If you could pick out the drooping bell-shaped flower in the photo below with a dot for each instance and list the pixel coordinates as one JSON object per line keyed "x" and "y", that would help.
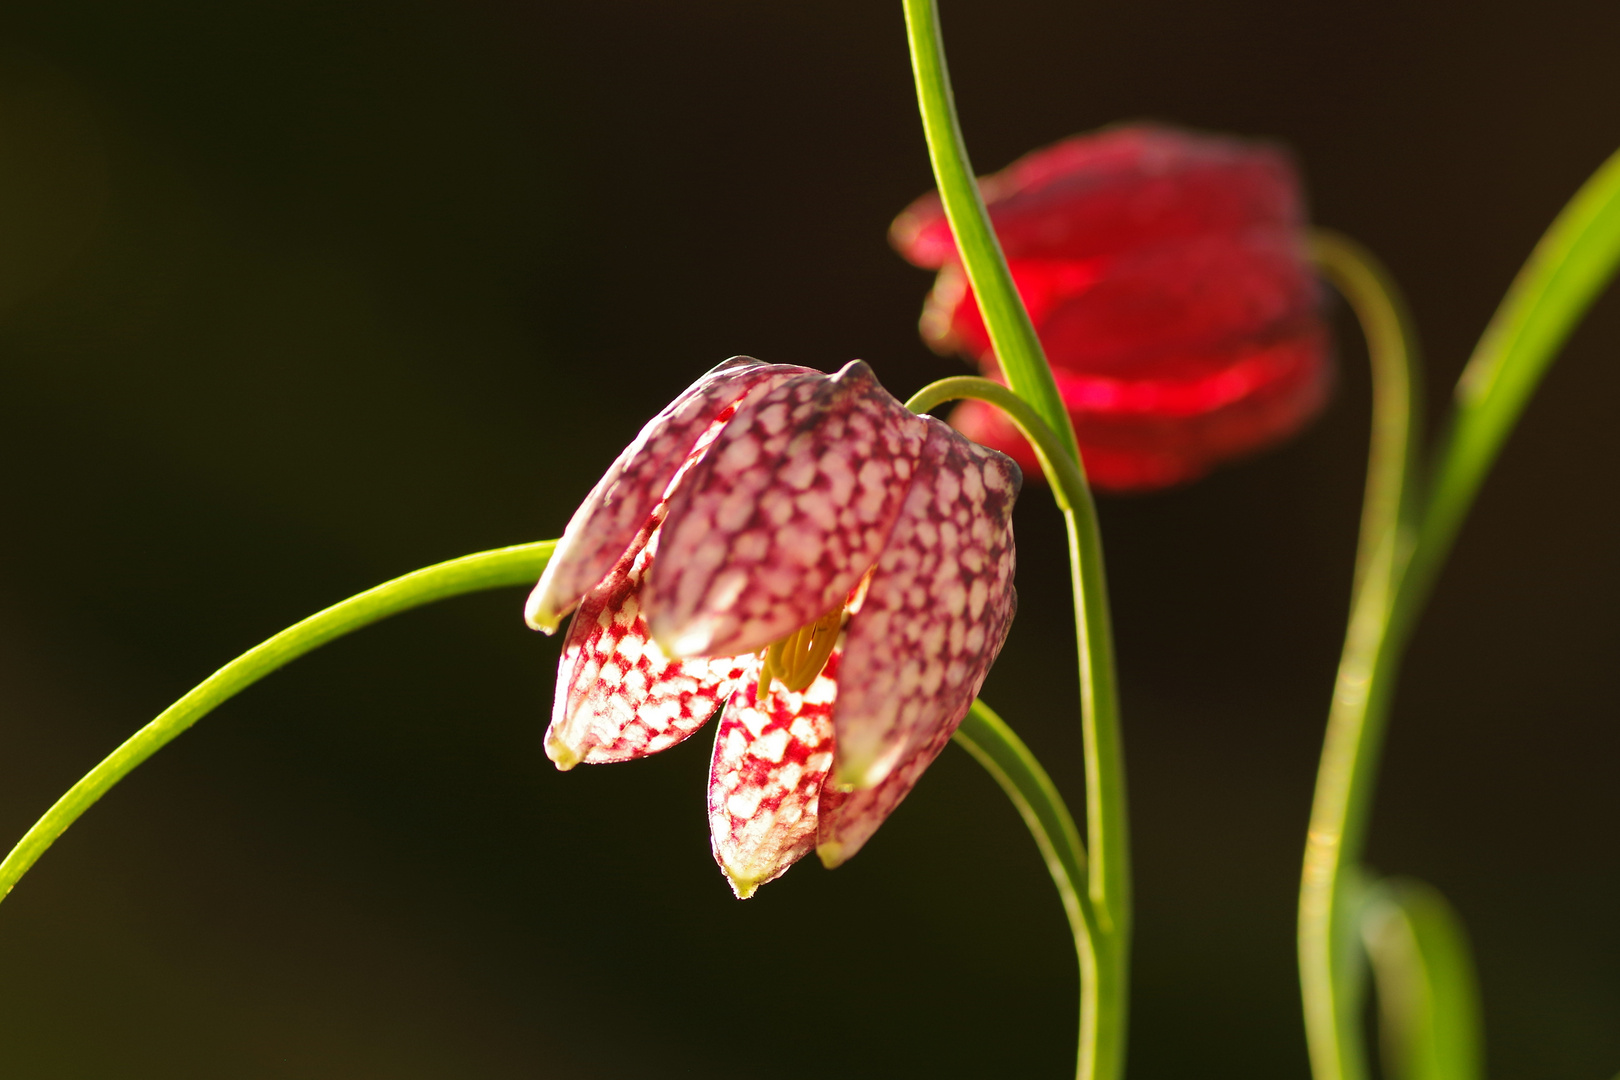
{"x": 1167, "y": 276}
{"x": 801, "y": 550}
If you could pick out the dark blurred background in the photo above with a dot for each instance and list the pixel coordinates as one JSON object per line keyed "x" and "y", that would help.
{"x": 296, "y": 296}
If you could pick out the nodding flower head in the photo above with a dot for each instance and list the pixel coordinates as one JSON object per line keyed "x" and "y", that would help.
{"x": 801, "y": 551}
{"x": 1167, "y": 276}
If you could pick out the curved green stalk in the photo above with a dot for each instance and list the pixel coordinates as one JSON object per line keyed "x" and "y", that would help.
{"x": 470, "y": 573}
{"x": 1062, "y": 471}
{"x": 1004, "y": 756}
{"x": 1571, "y": 264}
{"x": 1391, "y": 497}
{"x": 1104, "y": 965}
{"x": 1328, "y": 961}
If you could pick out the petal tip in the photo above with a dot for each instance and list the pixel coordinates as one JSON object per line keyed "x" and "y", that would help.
{"x": 539, "y": 612}
{"x": 831, "y": 854}
{"x": 742, "y": 885}
{"x": 562, "y": 755}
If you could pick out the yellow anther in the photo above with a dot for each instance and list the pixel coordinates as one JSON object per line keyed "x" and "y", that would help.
{"x": 796, "y": 660}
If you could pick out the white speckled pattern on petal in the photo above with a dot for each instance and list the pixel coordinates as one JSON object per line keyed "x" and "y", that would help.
{"x": 766, "y": 778}
{"x": 618, "y": 696}
{"x": 764, "y": 498}
{"x": 609, "y": 518}
{"x": 936, "y": 612}
{"x": 788, "y": 509}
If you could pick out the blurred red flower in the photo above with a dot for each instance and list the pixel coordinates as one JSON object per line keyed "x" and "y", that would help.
{"x": 1167, "y": 277}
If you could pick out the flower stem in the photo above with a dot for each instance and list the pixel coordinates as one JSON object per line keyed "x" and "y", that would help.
{"x": 1391, "y": 497}
{"x": 1328, "y": 960}
{"x": 1105, "y": 965}
{"x": 1011, "y": 333}
{"x": 1062, "y": 471}
{"x": 1573, "y": 262}
{"x": 1005, "y": 757}
{"x": 471, "y": 573}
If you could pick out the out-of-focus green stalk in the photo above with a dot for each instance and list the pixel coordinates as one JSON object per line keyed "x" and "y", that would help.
{"x": 1392, "y": 348}
{"x": 1328, "y": 958}
{"x": 1396, "y": 568}
{"x": 470, "y": 573}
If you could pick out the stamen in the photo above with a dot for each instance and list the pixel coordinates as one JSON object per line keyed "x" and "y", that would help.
{"x": 796, "y": 660}
{"x": 764, "y": 686}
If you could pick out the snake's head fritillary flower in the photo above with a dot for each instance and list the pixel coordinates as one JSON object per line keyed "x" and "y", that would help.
{"x": 1167, "y": 276}
{"x": 802, "y": 552}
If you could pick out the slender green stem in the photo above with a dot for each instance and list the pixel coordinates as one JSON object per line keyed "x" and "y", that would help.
{"x": 1011, "y": 333}
{"x": 1570, "y": 266}
{"x": 1392, "y": 493}
{"x": 1062, "y": 471}
{"x": 1105, "y": 967}
{"x": 1329, "y": 976}
{"x": 1328, "y": 972}
{"x": 1106, "y": 823}
{"x": 1004, "y": 756}
{"x": 470, "y": 573}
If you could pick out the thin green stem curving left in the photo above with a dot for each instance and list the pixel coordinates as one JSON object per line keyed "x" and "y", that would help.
{"x": 1009, "y": 762}
{"x": 1571, "y": 265}
{"x": 1104, "y": 964}
{"x": 1329, "y": 963}
{"x": 1062, "y": 471}
{"x": 983, "y": 734}
{"x": 470, "y": 573}
{"x": 1024, "y": 363}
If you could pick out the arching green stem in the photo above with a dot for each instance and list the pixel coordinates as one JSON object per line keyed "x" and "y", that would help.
{"x": 1329, "y": 963}
{"x": 1400, "y": 558}
{"x": 1392, "y": 493}
{"x": 983, "y": 734}
{"x": 1004, "y": 756}
{"x": 1105, "y": 965}
{"x": 1063, "y": 472}
{"x": 470, "y": 573}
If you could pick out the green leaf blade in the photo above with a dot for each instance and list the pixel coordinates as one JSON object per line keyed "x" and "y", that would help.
{"x": 1428, "y": 996}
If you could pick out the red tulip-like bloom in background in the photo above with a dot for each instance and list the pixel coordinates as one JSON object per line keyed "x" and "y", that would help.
{"x": 801, "y": 548}
{"x": 1167, "y": 277}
